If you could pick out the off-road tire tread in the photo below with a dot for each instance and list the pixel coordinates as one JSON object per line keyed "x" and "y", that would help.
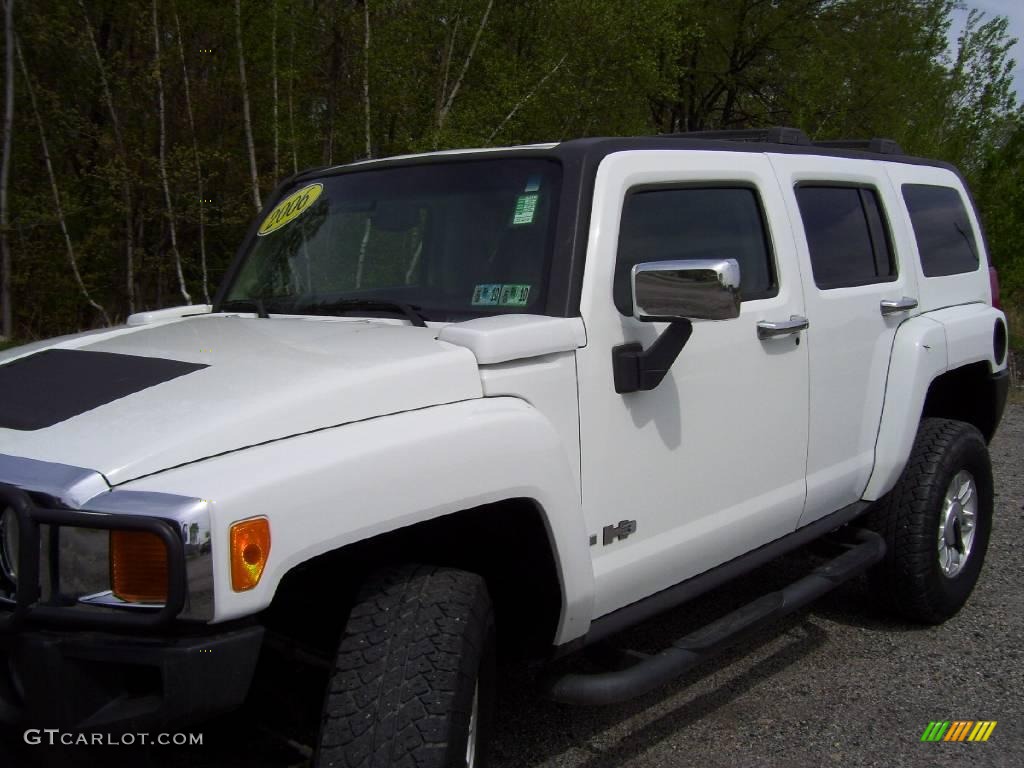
{"x": 905, "y": 580}
{"x": 389, "y": 702}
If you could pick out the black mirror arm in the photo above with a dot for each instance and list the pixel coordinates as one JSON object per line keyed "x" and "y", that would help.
{"x": 638, "y": 370}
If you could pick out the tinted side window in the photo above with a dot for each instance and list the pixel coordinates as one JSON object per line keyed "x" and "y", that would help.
{"x": 847, "y": 236}
{"x": 944, "y": 236}
{"x": 694, "y": 223}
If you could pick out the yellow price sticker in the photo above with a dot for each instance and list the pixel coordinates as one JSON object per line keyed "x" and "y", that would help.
{"x": 290, "y": 208}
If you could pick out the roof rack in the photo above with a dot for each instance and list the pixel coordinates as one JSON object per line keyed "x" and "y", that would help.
{"x": 878, "y": 146}
{"x": 777, "y": 135}
{"x": 792, "y": 137}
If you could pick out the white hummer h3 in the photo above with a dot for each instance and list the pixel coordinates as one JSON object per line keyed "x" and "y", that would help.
{"x": 520, "y": 399}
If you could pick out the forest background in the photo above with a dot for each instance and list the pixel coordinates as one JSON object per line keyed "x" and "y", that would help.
{"x": 140, "y": 137}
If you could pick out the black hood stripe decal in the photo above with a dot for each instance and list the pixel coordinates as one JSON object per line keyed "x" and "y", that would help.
{"x": 48, "y": 387}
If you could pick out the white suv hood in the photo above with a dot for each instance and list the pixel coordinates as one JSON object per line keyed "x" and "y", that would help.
{"x": 264, "y": 379}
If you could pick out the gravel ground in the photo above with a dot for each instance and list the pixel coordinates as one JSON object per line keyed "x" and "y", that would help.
{"x": 838, "y": 684}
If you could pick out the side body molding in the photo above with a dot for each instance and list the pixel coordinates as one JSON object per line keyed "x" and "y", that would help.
{"x": 326, "y": 489}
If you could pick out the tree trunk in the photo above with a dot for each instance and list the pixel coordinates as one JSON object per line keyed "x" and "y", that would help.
{"x": 246, "y": 116}
{"x": 291, "y": 94}
{"x": 526, "y": 98}
{"x": 163, "y": 157}
{"x": 7, "y": 321}
{"x": 442, "y": 115}
{"x": 333, "y": 76}
{"x": 366, "y": 75}
{"x": 273, "y": 78}
{"x": 195, "y": 156}
{"x": 122, "y": 155}
{"x": 446, "y": 67}
{"x": 53, "y": 188}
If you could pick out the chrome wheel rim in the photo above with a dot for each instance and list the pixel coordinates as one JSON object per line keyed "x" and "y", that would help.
{"x": 472, "y": 737}
{"x": 958, "y": 523}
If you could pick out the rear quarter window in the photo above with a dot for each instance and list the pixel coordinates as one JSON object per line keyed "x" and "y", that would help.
{"x": 945, "y": 239}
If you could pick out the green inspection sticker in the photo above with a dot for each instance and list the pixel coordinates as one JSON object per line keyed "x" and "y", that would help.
{"x": 514, "y": 295}
{"x": 526, "y": 208}
{"x": 487, "y": 295}
{"x": 499, "y": 294}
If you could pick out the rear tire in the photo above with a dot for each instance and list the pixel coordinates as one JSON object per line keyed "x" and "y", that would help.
{"x": 413, "y": 684}
{"x": 936, "y": 523}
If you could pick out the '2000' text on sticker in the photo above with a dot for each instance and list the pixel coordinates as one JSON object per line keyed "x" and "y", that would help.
{"x": 290, "y": 208}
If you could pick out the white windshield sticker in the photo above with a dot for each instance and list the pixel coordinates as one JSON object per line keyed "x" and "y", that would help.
{"x": 526, "y": 208}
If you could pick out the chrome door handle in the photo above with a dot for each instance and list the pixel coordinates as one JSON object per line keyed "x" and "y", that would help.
{"x": 892, "y": 306}
{"x": 769, "y": 330}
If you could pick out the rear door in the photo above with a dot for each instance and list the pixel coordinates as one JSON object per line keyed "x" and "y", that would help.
{"x": 856, "y": 294}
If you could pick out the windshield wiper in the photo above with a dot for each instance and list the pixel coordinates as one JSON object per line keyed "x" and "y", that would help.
{"x": 245, "y": 305}
{"x": 411, "y": 312}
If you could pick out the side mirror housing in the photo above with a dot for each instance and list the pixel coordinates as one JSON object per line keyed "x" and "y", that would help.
{"x": 707, "y": 289}
{"x": 675, "y": 292}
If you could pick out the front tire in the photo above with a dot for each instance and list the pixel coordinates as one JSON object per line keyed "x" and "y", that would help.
{"x": 936, "y": 523}
{"x": 413, "y": 684}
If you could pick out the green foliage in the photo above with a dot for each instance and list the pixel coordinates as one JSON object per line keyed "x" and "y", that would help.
{"x": 537, "y": 70}
{"x": 981, "y": 93}
{"x": 1001, "y": 198}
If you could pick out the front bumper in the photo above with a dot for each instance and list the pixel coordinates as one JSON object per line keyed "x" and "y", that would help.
{"x": 89, "y": 680}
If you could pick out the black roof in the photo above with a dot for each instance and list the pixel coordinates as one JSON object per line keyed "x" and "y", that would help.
{"x": 588, "y": 152}
{"x": 885, "y": 150}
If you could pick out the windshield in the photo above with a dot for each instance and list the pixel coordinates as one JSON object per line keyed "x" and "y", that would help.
{"x": 452, "y": 240}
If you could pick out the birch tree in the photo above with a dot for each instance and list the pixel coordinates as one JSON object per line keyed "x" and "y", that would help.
{"x": 448, "y": 97}
{"x": 7, "y": 321}
{"x": 522, "y": 102}
{"x": 162, "y": 115}
{"x": 58, "y": 206}
{"x": 273, "y": 78}
{"x": 122, "y": 156}
{"x": 246, "y": 115}
{"x": 366, "y": 77}
{"x": 195, "y": 157}
{"x": 291, "y": 94}
{"x": 333, "y": 77}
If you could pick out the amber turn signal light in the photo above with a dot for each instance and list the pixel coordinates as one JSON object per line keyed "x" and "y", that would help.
{"x": 138, "y": 567}
{"x": 250, "y": 548}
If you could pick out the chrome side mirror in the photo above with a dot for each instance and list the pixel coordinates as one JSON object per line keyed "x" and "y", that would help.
{"x": 706, "y": 289}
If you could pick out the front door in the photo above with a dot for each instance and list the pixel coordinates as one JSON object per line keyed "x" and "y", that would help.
{"x": 711, "y": 463}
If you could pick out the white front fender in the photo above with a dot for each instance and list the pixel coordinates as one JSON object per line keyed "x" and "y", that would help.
{"x": 326, "y": 489}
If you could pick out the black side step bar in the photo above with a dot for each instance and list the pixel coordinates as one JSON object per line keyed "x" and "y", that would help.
{"x": 656, "y": 670}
